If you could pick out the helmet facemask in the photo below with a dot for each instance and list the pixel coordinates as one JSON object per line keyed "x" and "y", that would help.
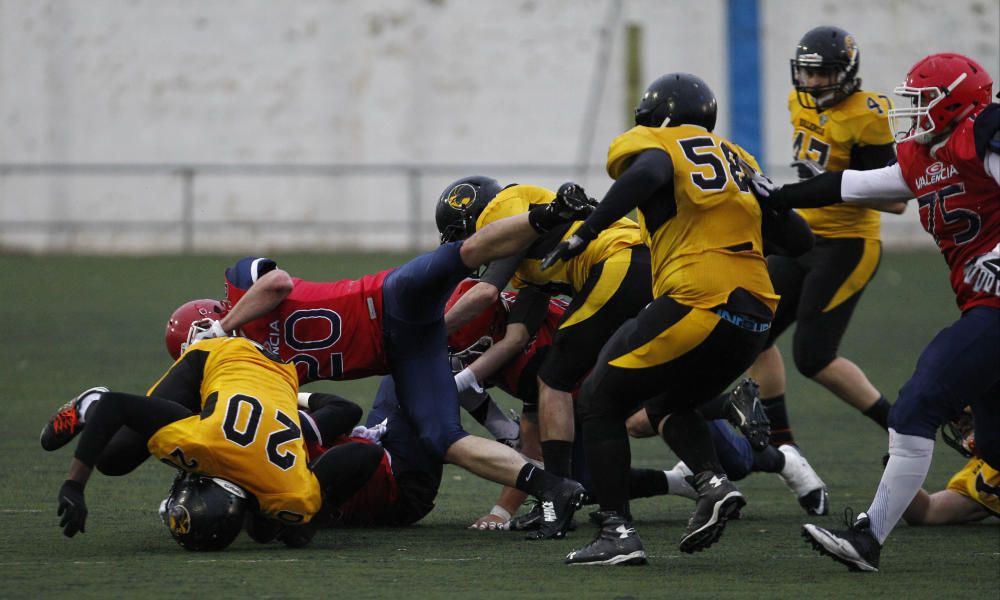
{"x": 821, "y": 97}
{"x": 917, "y": 122}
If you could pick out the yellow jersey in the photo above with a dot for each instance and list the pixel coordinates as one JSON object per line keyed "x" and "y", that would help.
{"x": 980, "y": 482}
{"x": 567, "y": 276}
{"x": 248, "y": 431}
{"x": 827, "y": 138}
{"x": 709, "y": 241}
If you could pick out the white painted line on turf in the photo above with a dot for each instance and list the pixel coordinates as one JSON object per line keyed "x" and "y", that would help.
{"x": 20, "y": 510}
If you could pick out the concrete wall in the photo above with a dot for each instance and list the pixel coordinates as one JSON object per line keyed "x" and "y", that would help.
{"x": 462, "y": 84}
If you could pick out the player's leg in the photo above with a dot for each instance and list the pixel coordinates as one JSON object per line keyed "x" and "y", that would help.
{"x": 839, "y": 271}
{"x": 958, "y": 364}
{"x": 615, "y": 290}
{"x": 768, "y": 369}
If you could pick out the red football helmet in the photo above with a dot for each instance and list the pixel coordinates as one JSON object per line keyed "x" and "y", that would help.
{"x": 943, "y": 89}
{"x": 179, "y": 325}
{"x": 492, "y": 322}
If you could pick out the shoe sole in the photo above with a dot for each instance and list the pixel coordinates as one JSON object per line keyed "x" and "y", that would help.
{"x": 710, "y": 532}
{"x": 816, "y": 536}
{"x": 631, "y": 559}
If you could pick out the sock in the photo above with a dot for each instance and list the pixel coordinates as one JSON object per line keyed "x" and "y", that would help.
{"x": 86, "y": 403}
{"x": 781, "y": 431}
{"x": 675, "y": 480}
{"x": 909, "y": 460}
{"x": 768, "y": 460}
{"x": 499, "y": 425}
{"x": 535, "y": 481}
{"x": 643, "y": 483}
{"x": 879, "y": 412}
{"x": 558, "y": 457}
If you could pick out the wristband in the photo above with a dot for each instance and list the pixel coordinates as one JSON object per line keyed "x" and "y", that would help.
{"x": 499, "y": 511}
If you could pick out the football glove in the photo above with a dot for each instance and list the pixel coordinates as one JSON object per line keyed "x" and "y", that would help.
{"x": 570, "y": 247}
{"x": 570, "y": 204}
{"x": 983, "y": 272}
{"x": 373, "y": 433}
{"x": 765, "y": 190}
{"x": 807, "y": 168}
{"x": 72, "y": 508}
{"x": 205, "y": 329}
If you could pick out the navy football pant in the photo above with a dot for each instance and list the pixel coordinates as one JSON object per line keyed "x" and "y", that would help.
{"x": 413, "y": 299}
{"x": 961, "y": 366}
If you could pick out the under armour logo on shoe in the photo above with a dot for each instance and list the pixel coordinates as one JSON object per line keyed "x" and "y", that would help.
{"x": 716, "y": 481}
{"x": 548, "y": 511}
{"x": 624, "y": 532}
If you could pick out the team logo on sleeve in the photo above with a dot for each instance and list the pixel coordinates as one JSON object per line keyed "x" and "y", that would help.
{"x": 461, "y": 196}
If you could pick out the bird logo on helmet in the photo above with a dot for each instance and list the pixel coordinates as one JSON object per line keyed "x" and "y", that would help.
{"x": 461, "y": 204}
{"x": 829, "y": 51}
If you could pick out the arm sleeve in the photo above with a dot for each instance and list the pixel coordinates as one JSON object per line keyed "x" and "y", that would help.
{"x": 886, "y": 184}
{"x": 499, "y": 272}
{"x": 986, "y": 131}
{"x": 650, "y": 170}
{"x": 992, "y": 166}
{"x": 786, "y": 233}
{"x": 530, "y": 309}
{"x": 182, "y": 383}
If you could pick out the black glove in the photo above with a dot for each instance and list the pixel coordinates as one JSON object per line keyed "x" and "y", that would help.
{"x": 72, "y": 508}
{"x": 570, "y": 247}
{"x": 570, "y": 204}
{"x": 807, "y": 168}
{"x": 767, "y": 192}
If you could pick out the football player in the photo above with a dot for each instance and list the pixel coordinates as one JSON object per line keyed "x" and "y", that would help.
{"x": 835, "y": 126}
{"x": 712, "y": 309}
{"x": 519, "y": 342}
{"x": 972, "y": 494}
{"x": 947, "y": 149}
{"x": 392, "y": 322}
{"x": 608, "y": 283}
{"x": 226, "y": 414}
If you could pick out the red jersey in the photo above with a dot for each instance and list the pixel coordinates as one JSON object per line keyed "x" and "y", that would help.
{"x": 959, "y": 205}
{"x": 518, "y": 376}
{"x": 329, "y": 330}
{"x": 374, "y": 504}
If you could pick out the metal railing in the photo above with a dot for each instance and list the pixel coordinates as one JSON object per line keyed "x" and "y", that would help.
{"x": 415, "y": 222}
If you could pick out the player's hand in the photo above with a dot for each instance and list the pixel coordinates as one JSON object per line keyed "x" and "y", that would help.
{"x": 72, "y": 508}
{"x": 983, "y": 272}
{"x": 570, "y": 204}
{"x": 807, "y": 168}
{"x": 206, "y": 329}
{"x": 491, "y": 522}
{"x": 373, "y": 433}
{"x": 566, "y": 250}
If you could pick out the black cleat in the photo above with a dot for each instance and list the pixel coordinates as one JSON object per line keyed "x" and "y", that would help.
{"x": 529, "y": 521}
{"x": 855, "y": 547}
{"x": 557, "y": 506}
{"x": 718, "y": 501}
{"x": 744, "y": 410}
{"x": 616, "y": 543}
{"x": 65, "y": 424}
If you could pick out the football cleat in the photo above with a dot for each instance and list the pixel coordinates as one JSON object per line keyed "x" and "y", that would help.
{"x": 529, "y": 521}
{"x": 855, "y": 547}
{"x": 616, "y": 543}
{"x": 65, "y": 423}
{"x": 558, "y": 505}
{"x": 718, "y": 501}
{"x": 803, "y": 481}
{"x": 744, "y": 410}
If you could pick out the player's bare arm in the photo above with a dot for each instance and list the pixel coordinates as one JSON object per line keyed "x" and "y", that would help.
{"x": 263, "y": 296}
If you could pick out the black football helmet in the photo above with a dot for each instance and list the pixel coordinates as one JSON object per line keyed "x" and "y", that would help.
{"x": 204, "y": 513}
{"x": 677, "y": 99}
{"x": 828, "y": 50}
{"x": 460, "y": 204}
